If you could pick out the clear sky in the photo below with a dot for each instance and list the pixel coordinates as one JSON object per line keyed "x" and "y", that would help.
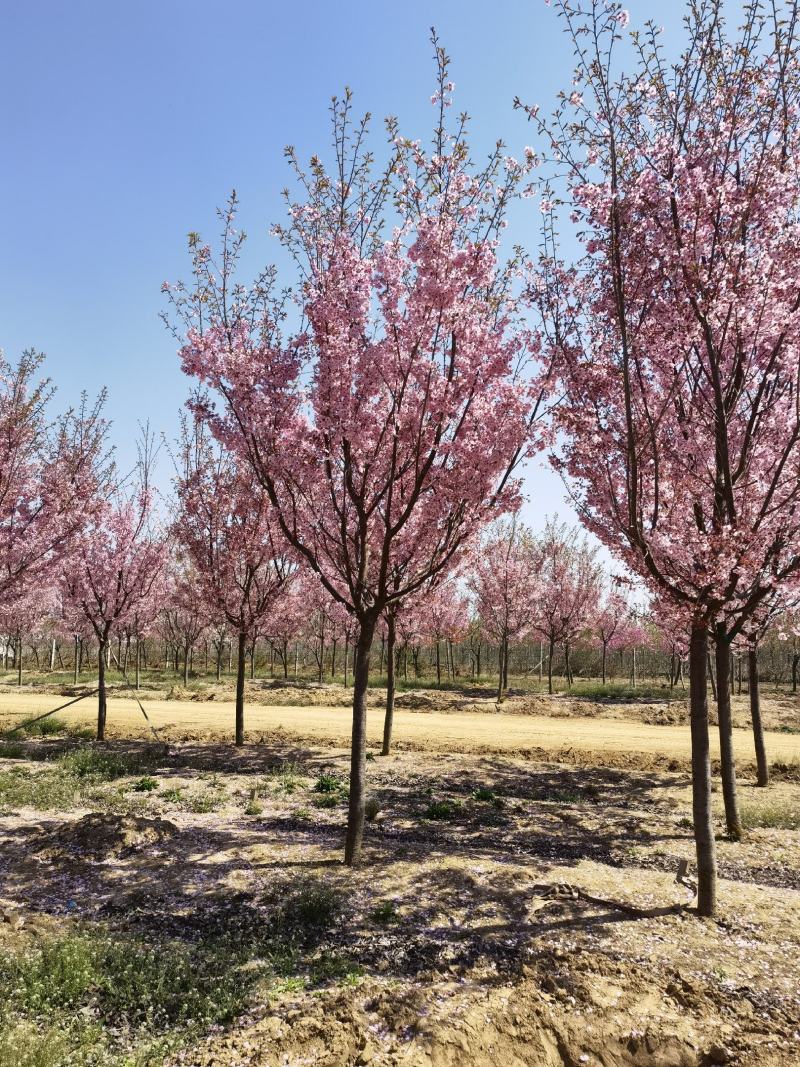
{"x": 124, "y": 126}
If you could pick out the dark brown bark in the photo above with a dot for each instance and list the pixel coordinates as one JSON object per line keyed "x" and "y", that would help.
{"x": 388, "y": 718}
{"x": 701, "y": 774}
{"x": 762, "y": 767}
{"x": 722, "y": 651}
{"x": 240, "y": 689}
{"x": 358, "y": 748}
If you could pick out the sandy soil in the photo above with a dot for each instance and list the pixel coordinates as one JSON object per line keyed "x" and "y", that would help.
{"x": 538, "y": 924}
{"x": 500, "y": 731}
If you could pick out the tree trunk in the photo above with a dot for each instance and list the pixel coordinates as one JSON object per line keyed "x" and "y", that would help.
{"x": 505, "y": 663}
{"x": 701, "y": 773}
{"x": 138, "y": 662}
{"x": 633, "y": 668}
{"x": 727, "y": 760}
{"x": 219, "y": 661}
{"x": 795, "y": 660}
{"x": 567, "y": 668}
{"x": 755, "y": 714}
{"x": 53, "y": 654}
{"x": 604, "y": 662}
{"x": 101, "y": 693}
{"x": 19, "y": 659}
{"x": 321, "y": 656}
{"x": 439, "y": 668}
{"x": 712, "y": 676}
{"x": 77, "y": 660}
{"x": 500, "y": 663}
{"x": 550, "y": 668}
{"x": 388, "y": 718}
{"x": 186, "y": 664}
{"x": 240, "y": 689}
{"x": 358, "y": 750}
{"x": 347, "y": 657}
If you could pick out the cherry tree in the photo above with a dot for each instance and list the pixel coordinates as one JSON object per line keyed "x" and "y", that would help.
{"x": 445, "y": 617}
{"x": 116, "y": 568}
{"x": 503, "y": 584}
{"x": 51, "y": 475}
{"x": 567, "y": 591}
{"x": 227, "y": 533}
{"x": 385, "y": 432}
{"x": 677, "y": 332}
{"x": 614, "y": 626}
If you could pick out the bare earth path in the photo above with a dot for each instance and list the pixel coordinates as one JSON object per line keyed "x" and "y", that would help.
{"x": 436, "y": 731}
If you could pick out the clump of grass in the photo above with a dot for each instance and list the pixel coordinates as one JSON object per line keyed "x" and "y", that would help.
{"x": 313, "y": 906}
{"x": 172, "y": 795}
{"x": 146, "y": 785}
{"x": 443, "y": 810}
{"x": 253, "y": 808}
{"x": 203, "y": 803}
{"x": 333, "y": 967}
{"x": 302, "y": 813}
{"x": 12, "y": 750}
{"x": 326, "y": 800}
{"x": 329, "y": 783}
{"x": 104, "y": 765}
{"x": 46, "y": 789}
{"x": 372, "y": 809}
{"x": 127, "y": 985}
{"x": 384, "y": 913}
{"x": 44, "y": 727}
{"x": 772, "y": 815}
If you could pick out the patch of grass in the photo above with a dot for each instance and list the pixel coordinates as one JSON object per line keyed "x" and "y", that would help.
{"x": 484, "y": 795}
{"x": 329, "y": 783}
{"x": 44, "y": 727}
{"x": 685, "y": 823}
{"x": 172, "y": 795}
{"x": 253, "y": 808}
{"x": 561, "y": 796}
{"x": 443, "y": 810}
{"x": 333, "y": 967}
{"x": 46, "y": 789}
{"x": 105, "y": 765}
{"x": 301, "y": 813}
{"x": 771, "y": 814}
{"x": 146, "y": 784}
{"x": 125, "y": 984}
{"x": 12, "y": 750}
{"x": 327, "y": 800}
{"x": 314, "y": 906}
{"x": 203, "y": 803}
{"x": 384, "y": 913}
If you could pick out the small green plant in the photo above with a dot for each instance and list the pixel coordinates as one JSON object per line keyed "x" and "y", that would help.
{"x": 443, "y": 810}
{"x": 685, "y": 823}
{"x": 370, "y": 757}
{"x": 203, "y": 803}
{"x": 253, "y": 808}
{"x": 333, "y": 967}
{"x": 484, "y": 795}
{"x": 384, "y": 913}
{"x": 12, "y": 750}
{"x": 326, "y": 800}
{"x": 328, "y": 783}
{"x": 104, "y": 765}
{"x": 145, "y": 785}
{"x": 302, "y": 813}
{"x": 172, "y": 795}
{"x": 44, "y": 727}
{"x": 312, "y": 907}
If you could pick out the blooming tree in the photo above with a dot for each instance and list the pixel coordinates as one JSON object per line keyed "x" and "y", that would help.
{"x": 116, "y": 569}
{"x": 503, "y": 584}
{"x": 385, "y": 432}
{"x": 678, "y": 331}
{"x": 227, "y": 533}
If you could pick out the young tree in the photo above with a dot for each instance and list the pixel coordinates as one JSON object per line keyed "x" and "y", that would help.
{"x": 678, "y": 331}
{"x": 567, "y": 590}
{"x": 51, "y": 476}
{"x": 384, "y": 434}
{"x": 503, "y": 584}
{"x": 226, "y": 532}
{"x": 613, "y": 626}
{"x": 116, "y": 568}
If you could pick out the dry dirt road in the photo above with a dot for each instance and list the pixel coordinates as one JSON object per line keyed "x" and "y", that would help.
{"x": 434, "y": 731}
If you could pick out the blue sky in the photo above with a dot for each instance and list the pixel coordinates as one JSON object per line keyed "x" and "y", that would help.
{"x": 125, "y": 125}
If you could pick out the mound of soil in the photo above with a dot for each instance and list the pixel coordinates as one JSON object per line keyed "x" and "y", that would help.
{"x": 101, "y": 836}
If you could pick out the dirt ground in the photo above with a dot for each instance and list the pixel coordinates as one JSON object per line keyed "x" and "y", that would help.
{"x": 512, "y": 909}
{"x": 564, "y": 728}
